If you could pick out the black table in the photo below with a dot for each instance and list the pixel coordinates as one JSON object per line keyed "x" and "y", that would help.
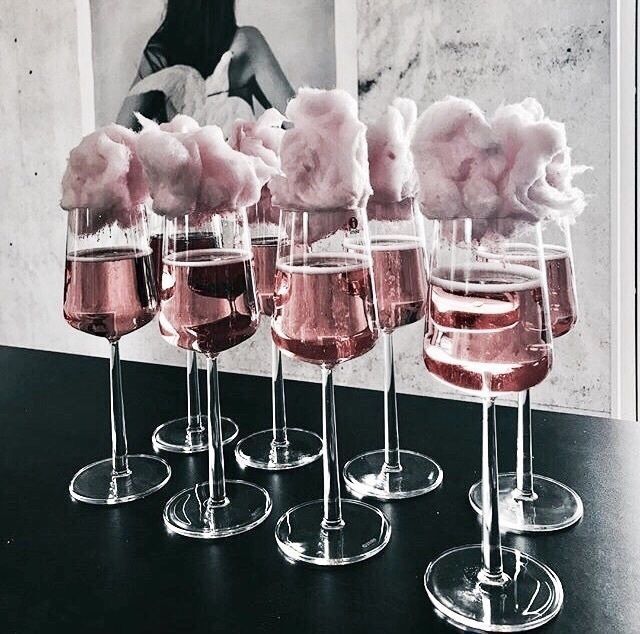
{"x": 71, "y": 567}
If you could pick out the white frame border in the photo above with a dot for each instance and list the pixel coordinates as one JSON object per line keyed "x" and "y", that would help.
{"x": 346, "y": 37}
{"x": 624, "y": 305}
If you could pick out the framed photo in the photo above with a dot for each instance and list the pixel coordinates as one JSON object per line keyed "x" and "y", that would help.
{"x": 170, "y": 56}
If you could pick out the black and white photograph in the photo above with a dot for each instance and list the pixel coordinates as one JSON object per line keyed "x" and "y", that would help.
{"x": 214, "y": 61}
{"x": 319, "y": 316}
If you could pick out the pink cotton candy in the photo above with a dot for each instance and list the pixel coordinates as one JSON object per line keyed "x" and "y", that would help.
{"x": 457, "y": 161}
{"x": 193, "y": 169}
{"x": 229, "y": 178}
{"x": 324, "y": 155}
{"x": 515, "y": 167}
{"x": 539, "y": 181}
{"x": 104, "y": 173}
{"x": 172, "y": 164}
{"x": 180, "y": 124}
{"x": 390, "y": 162}
{"x": 261, "y": 138}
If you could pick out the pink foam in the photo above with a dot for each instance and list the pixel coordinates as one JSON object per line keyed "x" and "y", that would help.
{"x": 324, "y": 155}
{"x": 390, "y": 162}
{"x": 104, "y": 173}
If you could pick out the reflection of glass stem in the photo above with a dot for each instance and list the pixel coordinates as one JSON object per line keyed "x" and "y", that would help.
{"x": 217, "y": 488}
{"x": 391, "y": 439}
{"x": 332, "y": 507}
{"x": 194, "y": 420}
{"x": 524, "y": 468}
{"x": 119, "y": 462}
{"x": 491, "y": 573}
{"x": 279, "y": 414}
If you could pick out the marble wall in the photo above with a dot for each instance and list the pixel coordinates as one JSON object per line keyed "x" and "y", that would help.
{"x": 494, "y": 50}
{"x": 556, "y": 50}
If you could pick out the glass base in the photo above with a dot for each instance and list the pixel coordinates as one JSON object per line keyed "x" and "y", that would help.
{"x": 96, "y": 484}
{"x": 258, "y": 450}
{"x": 366, "y": 476}
{"x": 301, "y": 536}
{"x": 172, "y": 436}
{"x": 555, "y": 506}
{"x": 187, "y": 513}
{"x": 531, "y": 597}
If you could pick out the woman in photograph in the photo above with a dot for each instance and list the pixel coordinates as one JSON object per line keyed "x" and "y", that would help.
{"x": 201, "y": 63}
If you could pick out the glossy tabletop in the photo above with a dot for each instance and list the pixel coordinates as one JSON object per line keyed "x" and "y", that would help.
{"x": 71, "y": 567}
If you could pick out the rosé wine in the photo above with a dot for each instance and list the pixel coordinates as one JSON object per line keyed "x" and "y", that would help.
{"x": 323, "y": 307}
{"x": 109, "y": 292}
{"x": 486, "y": 328}
{"x": 399, "y": 277}
{"x": 208, "y": 302}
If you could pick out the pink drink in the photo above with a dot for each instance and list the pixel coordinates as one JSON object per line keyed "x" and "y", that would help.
{"x": 400, "y": 279}
{"x": 264, "y": 259}
{"x": 155, "y": 242}
{"x": 178, "y": 243}
{"x": 109, "y": 292}
{"x": 562, "y": 295}
{"x": 487, "y": 329}
{"x": 208, "y": 303}
{"x": 560, "y": 281}
{"x": 323, "y": 310}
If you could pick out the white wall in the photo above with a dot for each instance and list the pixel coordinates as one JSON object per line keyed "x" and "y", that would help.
{"x": 503, "y": 49}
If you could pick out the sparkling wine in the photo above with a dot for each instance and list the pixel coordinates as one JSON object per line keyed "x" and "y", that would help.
{"x": 109, "y": 292}
{"x": 323, "y": 311}
{"x": 178, "y": 243}
{"x": 264, "y": 254}
{"x": 560, "y": 282}
{"x": 487, "y": 328}
{"x": 562, "y": 296}
{"x": 208, "y": 302}
{"x": 400, "y": 279}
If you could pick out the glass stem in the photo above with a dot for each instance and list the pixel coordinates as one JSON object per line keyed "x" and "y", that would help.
{"x": 491, "y": 573}
{"x": 524, "y": 468}
{"x": 194, "y": 411}
{"x": 391, "y": 439}
{"x": 332, "y": 508}
{"x": 217, "y": 488}
{"x": 279, "y": 413}
{"x": 120, "y": 466}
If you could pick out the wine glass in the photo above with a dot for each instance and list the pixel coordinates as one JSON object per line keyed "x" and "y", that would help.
{"x": 488, "y": 332}
{"x": 187, "y": 434}
{"x": 325, "y": 314}
{"x": 529, "y": 502}
{"x": 109, "y": 292}
{"x": 397, "y": 251}
{"x": 281, "y": 447}
{"x": 208, "y": 304}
